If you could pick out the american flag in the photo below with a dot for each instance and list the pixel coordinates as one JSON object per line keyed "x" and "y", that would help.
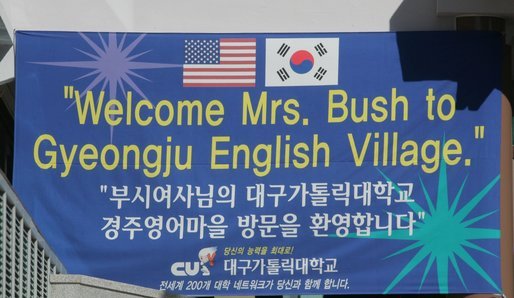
{"x": 225, "y": 62}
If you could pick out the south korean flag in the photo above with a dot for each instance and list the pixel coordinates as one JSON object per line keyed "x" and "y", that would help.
{"x": 302, "y": 61}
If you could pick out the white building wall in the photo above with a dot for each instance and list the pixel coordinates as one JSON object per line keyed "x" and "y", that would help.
{"x": 223, "y": 15}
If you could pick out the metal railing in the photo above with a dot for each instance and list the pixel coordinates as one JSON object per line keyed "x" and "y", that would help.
{"x": 26, "y": 260}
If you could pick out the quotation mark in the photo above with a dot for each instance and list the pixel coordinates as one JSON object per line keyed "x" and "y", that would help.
{"x": 68, "y": 92}
{"x": 103, "y": 188}
{"x": 479, "y": 131}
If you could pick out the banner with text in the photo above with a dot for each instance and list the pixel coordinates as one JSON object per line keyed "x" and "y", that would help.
{"x": 251, "y": 164}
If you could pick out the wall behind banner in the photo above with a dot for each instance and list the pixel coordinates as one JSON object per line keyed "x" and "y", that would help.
{"x": 227, "y": 16}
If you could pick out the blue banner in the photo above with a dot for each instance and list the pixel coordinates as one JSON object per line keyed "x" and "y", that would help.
{"x": 252, "y": 164}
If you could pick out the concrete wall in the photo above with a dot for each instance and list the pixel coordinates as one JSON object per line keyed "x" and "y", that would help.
{"x": 223, "y": 15}
{"x": 81, "y": 286}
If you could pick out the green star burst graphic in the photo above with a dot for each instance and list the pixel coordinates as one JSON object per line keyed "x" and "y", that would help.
{"x": 444, "y": 235}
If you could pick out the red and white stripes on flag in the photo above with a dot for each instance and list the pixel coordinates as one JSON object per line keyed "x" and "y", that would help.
{"x": 225, "y": 62}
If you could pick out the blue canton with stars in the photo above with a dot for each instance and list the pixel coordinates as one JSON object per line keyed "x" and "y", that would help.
{"x": 205, "y": 51}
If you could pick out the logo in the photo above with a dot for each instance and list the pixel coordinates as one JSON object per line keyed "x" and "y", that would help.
{"x": 205, "y": 256}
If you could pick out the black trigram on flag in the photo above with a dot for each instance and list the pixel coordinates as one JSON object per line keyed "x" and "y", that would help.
{"x": 320, "y": 73}
{"x": 320, "y": 48}
{"x": 282, "y": 51}
{"x": 282, "y": 73}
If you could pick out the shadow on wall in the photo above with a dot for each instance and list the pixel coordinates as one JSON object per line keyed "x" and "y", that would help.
{"x": 419, "y": 15}
{"x": 475, "y": 81}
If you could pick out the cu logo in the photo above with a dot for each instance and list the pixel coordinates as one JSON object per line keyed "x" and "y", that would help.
{"x": 185, "y": 268}
{"x": 206, "y": 256}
